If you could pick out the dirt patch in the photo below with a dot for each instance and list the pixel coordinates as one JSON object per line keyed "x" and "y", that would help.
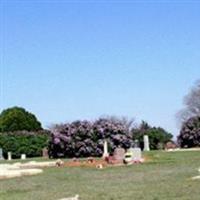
{"x": 90, "y": 162}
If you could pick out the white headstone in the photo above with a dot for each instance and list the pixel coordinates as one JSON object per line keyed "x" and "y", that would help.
{"x": 1, "y": 154}
{"x": 136, "y": 143}
{"x": 133, "y": 155}
{"x": 146, "y": 143}
{"x": 105, "y": 149}
{"x": 137, "y": 154}
{"x": 9, "y": 156}
{"x": 23, "y": 156}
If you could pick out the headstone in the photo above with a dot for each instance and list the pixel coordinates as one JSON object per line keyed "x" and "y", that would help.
{"x": 105, "y": 149}
{"x": 45, "y": 153}
{"x": 9, "y": 156}
{"x": 23, "y": 156}
{"x": 1, "y": 154}
{"x": 146, "y": 143}
{"x": 118, "y": 154}
{"x": 136, "y": 143}
{"x": 133, "y": 155}
{"x": 137, "y": 154}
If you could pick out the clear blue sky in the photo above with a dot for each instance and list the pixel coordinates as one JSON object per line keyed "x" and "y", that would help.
{"x": 65, "y": 61}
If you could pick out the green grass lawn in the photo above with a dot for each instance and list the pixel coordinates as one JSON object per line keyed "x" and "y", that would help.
{"x": 166, "y": 177}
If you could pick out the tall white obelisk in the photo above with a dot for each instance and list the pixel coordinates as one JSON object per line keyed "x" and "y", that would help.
{"x": 105, "y": 149}
{"x": 146, "y": 143}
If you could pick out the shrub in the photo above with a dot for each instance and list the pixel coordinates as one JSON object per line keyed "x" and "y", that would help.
{"x": 24, "y": 142}
{"x": 190, "y": 133}
{"x": 84, "y": 138}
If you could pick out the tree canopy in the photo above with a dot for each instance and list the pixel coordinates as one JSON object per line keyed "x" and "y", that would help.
{"x": 85, "y": 138}
{"x": 192, "y": 104}
{"x": 190, "y": 133}
{"x": 17, "y": 119}
{"x": 157, "y": 135}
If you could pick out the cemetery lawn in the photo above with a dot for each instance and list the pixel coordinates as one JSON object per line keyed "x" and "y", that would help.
{"x": 167, "y": 176}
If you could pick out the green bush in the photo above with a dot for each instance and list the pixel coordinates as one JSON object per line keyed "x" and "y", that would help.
{"x": 24, "y": 142}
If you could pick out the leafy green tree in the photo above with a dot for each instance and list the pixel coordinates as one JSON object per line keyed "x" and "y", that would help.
{"x": 16, "y": 119}
{"x": 157, "y": 135}
{"x": 19, "y": 142}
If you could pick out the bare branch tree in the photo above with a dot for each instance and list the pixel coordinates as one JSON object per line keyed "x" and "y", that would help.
{"x": 192, "y": 104}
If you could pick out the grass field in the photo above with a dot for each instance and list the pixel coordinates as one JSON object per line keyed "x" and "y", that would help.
{"x": 166, "y": 177}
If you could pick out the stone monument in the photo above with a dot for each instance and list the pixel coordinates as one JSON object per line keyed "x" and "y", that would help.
{"x": 1, "y": 154}
{"x": 137, "y": 154}
{"x": 136, "y": 143}
{"x": 23, "y": 157}
{"x": 45, "y": 153}
{"x": 105, "y": 149}
{"x": 146, "y": 143}
{"x": 118, "y": 155}
{"x": 9, "y": 156}
{"x": 133, "y": 155}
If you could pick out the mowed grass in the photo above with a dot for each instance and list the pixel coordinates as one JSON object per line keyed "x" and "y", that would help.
{"x": 167, "y": 176}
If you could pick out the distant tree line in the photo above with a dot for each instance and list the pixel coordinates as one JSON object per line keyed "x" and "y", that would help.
{"x": 21, "y": 132}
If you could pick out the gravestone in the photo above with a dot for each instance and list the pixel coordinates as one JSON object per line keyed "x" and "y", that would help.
{"x": 136, "y": 143}
{"x": 137, "y": 154}
{"x": 9, "y": 156}
{"x": 105, "y": 149}
{"x": 45, "y": 153}
{"x": 118, "y": 155}
{"x": 23, "y": 157}
{"x": 133, "y": 155}
{"x": 146, "y": 143}
{"x": 1, "y": 154}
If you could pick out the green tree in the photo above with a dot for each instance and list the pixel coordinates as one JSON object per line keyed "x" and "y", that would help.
{"x": 17, "y": 119}
{"x": 157, "y": 135}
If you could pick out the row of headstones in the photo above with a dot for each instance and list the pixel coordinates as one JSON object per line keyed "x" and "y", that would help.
{"x": 23, "y": 156}
{"x": 136, "y": 152}
{"x": 146, "y": 146}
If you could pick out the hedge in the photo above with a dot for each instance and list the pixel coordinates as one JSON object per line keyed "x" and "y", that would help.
{"x": 24, "y": 142}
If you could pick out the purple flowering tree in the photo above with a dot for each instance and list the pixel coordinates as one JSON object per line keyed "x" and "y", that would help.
{"x": 84, "y": 138}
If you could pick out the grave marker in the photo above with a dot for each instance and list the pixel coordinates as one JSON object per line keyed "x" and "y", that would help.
{"x": 105, "y": 149}
{"x": 146, "y": 143}
{"x": 133, "y": 155}
{"x": 23, "y": 157}
{"x": 9, "y": 156}
{"x": 1, "y": 154}
{"x": 45, "y": 153}
{"x": 119, "y": 155}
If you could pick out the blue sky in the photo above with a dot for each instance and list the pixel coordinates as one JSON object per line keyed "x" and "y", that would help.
{"x": 68, "y": 60}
